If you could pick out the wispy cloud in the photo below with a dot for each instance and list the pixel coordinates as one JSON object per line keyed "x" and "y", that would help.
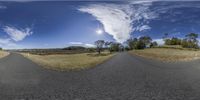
{"x": 81, "y": 44}
{"x": 89, "y": 45}
{"x": 142, "y": 28}
{"x": 17, "y": 34}
{"x": 3, "y": 7}
{"x": 119, "y": 20}
{"x": 7, "y": 43}
{"x": 76, "y": 43}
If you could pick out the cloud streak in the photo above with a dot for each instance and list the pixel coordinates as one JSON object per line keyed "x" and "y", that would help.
{"x": 17, "y": 34}
{"x": 81, "y": 44}
{"x": 120, "y": 20}
{"x": 7, "y": 43}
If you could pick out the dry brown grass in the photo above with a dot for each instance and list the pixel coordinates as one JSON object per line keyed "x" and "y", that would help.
{"x": 167, "y": 54}
{"x": 69, "y": 61}
{"x": 3, "y": 54}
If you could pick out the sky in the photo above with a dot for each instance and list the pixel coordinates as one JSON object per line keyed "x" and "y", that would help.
{"x": 57, "y": 24}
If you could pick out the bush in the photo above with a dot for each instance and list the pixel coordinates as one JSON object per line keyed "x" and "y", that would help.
{"x": 140, "y": 45}
{"x": 173, "y": 41}
{"x": 189, "y": 44}
{"x": 153, "y": 44}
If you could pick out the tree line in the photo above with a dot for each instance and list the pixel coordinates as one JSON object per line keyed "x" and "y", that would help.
{"x": 111, "y": 46}
{"x": 190, "y": 41}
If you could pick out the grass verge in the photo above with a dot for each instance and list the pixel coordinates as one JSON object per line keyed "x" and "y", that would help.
{"x": 67, "y": 62}
{"x": 168, "y": 54}
{"x": 3, "y": 54}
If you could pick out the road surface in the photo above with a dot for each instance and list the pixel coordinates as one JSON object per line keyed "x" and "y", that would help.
{"x": 124, "y": 77}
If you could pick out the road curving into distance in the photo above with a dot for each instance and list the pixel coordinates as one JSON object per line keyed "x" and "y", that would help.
{"x": 124, "y": 77}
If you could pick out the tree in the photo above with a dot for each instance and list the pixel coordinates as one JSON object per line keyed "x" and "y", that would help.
{"x": 140, "y": 45}
{"x": 175, "y": 41}
{"x": 108, "y": 46}
{"x": 167, "y": 41}
{"x": 132, "y": 43}
{"x": 146, "y": 40}
{"x": 192, "y": 37}
{"x": 99, "y": 44}
{"x": 114, "y": 46}
{"x": 190, "y": 41}
{"x": 154, "y": 44}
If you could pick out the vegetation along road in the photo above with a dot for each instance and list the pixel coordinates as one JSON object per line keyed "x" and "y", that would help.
{"x": 124, "y": 77}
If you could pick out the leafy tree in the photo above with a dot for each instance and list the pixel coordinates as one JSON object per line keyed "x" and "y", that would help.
{"x": 108, "y": 46}
{"x": 99, "y": 44}
{"x": 140, "y": 45}
{"x": 190, "y": 41}
{"x": 154, "y": 44}
{"x": 192, "y": 37}
{"x": 175, "y": 41}
{"x": 132, "y": 43}
{"x": 167, "y": 41}
{"x": 115, "y": 46}
{"x": 146, "y": 40}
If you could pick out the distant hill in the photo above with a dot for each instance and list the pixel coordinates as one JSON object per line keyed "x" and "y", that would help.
{"x": 74, "y": 48}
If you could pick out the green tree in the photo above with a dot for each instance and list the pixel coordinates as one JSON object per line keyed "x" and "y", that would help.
{"x": 108, "y": 46}
{"x": 154, "y": 44}
{"x": 167, "y": 41}
{"x": 132, "y": 43}
{"x": 99, "y": 44}
{"x": 140, "y": 45}
{"x": 145, "y": 40}
{"x": 192, "y": 37}
{"x": 114, "y": 46}
{"x": 190, "y": 41}
{"x": 175, "y": 41}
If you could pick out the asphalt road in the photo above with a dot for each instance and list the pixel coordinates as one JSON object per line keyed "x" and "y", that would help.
{"x": 124, "y": 77}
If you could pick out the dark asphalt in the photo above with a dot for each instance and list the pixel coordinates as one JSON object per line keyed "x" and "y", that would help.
{"x": 124, "y": 77}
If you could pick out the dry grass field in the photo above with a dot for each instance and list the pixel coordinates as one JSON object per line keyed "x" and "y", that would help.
{"x": 168, "y": 54}
{"x": 3, "y": 54}
{"x": 69, "y": 61}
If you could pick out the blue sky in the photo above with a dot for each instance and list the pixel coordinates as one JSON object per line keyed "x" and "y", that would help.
{"x": 60, "y": 24}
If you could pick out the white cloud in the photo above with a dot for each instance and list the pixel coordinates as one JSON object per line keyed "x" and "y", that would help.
{"x": 119, "y": 19}
{"x": 17, "y": 34}
{"x": 89, "y": 45}
{"x": 2, "y": 7}
{"x": 76, "y": 43}
{"x": 7, "y": 43}
{"x": 159, "y": 41}
{"x": 116, "y": 22}
{"x": 81, "y": 44}
{"x": 142, "y": 28}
